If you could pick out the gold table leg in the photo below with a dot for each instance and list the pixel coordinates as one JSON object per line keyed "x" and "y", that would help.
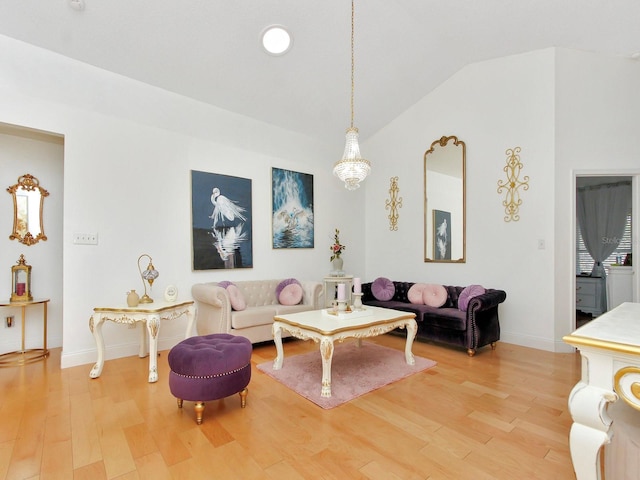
{"x": 25, "y": 356}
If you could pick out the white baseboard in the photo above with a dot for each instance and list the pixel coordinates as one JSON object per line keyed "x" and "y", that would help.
{"x": 90, "y": 356}
{"x": 12, "y": 344}
{"x": 550, "y": 345}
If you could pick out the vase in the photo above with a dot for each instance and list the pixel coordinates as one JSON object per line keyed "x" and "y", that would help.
{"x": 133, "y": 299}
{"x": 337, "y": 264}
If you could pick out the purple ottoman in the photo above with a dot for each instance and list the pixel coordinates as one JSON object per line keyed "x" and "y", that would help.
{"x": 210, "y": 367}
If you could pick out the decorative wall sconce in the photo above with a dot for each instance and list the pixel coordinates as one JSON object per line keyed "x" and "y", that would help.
{"x": 150, "y": 274}
{"x": 393, "y": 204}
{"x": 512, "y": 200}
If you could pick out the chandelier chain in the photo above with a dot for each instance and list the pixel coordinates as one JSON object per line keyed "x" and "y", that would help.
{"x": 352, "y": 59}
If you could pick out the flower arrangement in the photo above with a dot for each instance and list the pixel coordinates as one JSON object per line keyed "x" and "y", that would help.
{"x": 337, "y": 247}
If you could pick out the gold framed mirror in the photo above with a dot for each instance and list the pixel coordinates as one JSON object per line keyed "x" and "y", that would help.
{"x": 444, "y": 201}
{"x": 28, "y": 202}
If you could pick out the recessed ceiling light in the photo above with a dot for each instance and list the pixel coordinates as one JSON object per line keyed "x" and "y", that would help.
{"x": 276, "y": 40}
{"x": 77, "y": 4}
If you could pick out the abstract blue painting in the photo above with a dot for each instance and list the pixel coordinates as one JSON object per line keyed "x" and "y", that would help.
{"x": 292, "y": 209}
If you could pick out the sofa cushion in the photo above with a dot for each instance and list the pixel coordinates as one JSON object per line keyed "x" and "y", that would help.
{"x": 467, "y": 294}
{"x": 383, "y": 289}
{"x": 236, "y": 298}
{"x": 254, "y": 316}
{"x": 434, "y": 295}
{"x": 289, "y": 309}
{"x": 445, "y": 318}
{"x": 290, "y": 294}
{"x": 415, "y": 293}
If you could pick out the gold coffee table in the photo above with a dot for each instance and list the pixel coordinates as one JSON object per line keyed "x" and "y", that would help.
{"x": 324, "y": 328}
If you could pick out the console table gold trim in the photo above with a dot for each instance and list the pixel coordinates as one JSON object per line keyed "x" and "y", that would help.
{"x": 610, "y": 350}
{"x": 150, "y": 316}
{"x": 24, "y": 356}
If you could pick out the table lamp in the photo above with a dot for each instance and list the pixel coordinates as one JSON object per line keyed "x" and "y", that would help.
{"x": 150, "y": 274}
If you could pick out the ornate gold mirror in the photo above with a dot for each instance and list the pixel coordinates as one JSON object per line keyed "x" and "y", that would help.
{"x": 28, "y": 200}
{"x": 444, "y": 201}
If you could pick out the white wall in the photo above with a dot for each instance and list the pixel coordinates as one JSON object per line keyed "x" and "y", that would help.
{"x": 571, "y": 113}
{"x": 129, "y": 149}
{"x": 492, "y": 106}
{"x": 598, "y": 113}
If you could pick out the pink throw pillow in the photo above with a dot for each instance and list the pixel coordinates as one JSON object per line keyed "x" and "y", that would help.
{"x": 236, "y": 298}
{"x": 415, "y": 293}
{"x": 467, "y": 294}
{"x": 434, "y": 295}
{"x": 291, "y": 294}
{"x": 383, "y": 289}
{"x": 284, "y": 283}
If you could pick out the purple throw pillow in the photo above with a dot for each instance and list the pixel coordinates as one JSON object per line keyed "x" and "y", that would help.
{"x": 383, "y": 289}
{"x": 291, "y": 294}
{"x": 224, "y": 284}
{"x": 467, "y": 294}
{"x": 284, "y": 283}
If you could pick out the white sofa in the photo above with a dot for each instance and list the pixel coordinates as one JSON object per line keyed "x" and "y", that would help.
{"x": 215, "y": 315}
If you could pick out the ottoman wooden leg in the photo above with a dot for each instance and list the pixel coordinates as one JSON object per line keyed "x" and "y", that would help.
{"x": 179, "y": 402}
{"x": 243, "y": 398}
{"x": 199, "y": 408}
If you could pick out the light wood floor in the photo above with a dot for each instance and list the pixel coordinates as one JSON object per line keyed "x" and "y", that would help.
{"x": 500, "y": 415}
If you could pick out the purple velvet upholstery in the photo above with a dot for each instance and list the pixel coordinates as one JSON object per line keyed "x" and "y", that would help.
{"x": 383, "y": 289}
{"x": 467, "y": 294}
{"x": 209, "y": 367}
{"x": 476, "y": 327}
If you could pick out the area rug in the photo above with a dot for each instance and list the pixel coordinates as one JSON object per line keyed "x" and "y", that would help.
{"x": 355, "y": 371}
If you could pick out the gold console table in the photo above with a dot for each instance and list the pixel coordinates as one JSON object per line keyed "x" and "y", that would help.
{"x": 24, "y": 356}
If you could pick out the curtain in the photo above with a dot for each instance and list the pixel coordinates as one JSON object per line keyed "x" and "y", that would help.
{"x": 602, "y": 215}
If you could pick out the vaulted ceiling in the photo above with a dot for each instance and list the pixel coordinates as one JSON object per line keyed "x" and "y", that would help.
{"x": 210, "y": 50}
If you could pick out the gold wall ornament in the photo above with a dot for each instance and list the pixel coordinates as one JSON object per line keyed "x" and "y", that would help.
{"x": 393, "y": 203}
{"x": 512, "y": 200}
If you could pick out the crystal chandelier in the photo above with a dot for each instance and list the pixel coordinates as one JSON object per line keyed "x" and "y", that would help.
{"x": 352, "y": 169}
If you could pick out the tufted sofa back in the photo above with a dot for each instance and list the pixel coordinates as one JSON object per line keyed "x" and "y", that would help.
{"x": 258, "y": 293}
{"x": 402, "y": 293}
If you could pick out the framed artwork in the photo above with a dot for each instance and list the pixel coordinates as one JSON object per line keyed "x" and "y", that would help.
{"x": 221, "y": 221}
{"x": 442, "y": 235}
{"x": 291, "y": 209}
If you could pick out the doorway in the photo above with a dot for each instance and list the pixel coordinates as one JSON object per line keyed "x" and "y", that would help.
{"x": 605, "y": 233}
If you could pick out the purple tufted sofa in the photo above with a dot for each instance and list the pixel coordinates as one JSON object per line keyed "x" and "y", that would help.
{"x": 471, "y": 329}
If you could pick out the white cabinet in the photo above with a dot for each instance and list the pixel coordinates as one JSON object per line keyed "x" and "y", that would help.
{"x": 590, "y": 295}
{"x": 619, "y": 286}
